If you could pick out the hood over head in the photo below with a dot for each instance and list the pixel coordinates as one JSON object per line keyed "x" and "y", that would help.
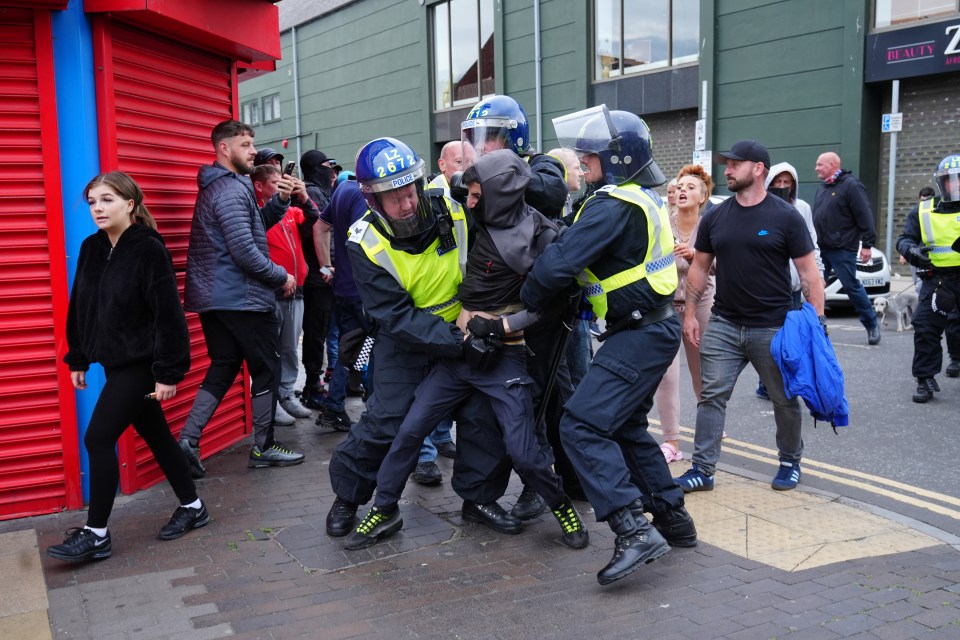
{"x": 504, "y": 177}
{"x": 779, "y": 168}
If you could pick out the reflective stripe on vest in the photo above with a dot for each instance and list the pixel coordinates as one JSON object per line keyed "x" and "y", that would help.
{"x": 658, "y": 267}
{"x": 939, "y": 232}
{"x": 430, "y": 279}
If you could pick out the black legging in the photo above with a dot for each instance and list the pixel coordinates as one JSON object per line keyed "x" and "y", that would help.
{"x": 121, "y": 403}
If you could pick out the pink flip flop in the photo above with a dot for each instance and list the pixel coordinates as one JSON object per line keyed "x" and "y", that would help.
{"x": 670, "y": 452}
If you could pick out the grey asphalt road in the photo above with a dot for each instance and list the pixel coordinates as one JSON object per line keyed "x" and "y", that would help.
{"x": 895, "y": 453}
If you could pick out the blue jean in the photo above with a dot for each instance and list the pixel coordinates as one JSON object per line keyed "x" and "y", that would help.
{"x": 844, "y": 265}
{"x": 725, "y": 349}
{"x": 441, "y": 434}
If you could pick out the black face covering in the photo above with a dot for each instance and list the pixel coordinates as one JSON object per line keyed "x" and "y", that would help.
{"x": 477, "y": 211}
{"x": 781, "y": 192}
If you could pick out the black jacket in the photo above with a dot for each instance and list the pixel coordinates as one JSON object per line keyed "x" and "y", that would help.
{"x": 547, "y": 191}
{"x": 842, "y": 215}
{"x": 125, "y": 307}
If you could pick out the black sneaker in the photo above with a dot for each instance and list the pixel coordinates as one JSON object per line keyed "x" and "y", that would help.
{"x": 447, "y": 449}
{"x": 184, "y": 519}
{"x": 81, "y": 544}
{"x": 529, "y": 505}
{"x": 375, "y": 526}
{"x": 336, "y": 420}
{"x": 312, "y": 398}
{"x": 340, "y": 518}
{"x": 953, "y": 369}
{"x": 276, "y": 455}
{"x": 197, "y": 469}
{"x": 574, "y": 534}
{"x": 427, "y": 474}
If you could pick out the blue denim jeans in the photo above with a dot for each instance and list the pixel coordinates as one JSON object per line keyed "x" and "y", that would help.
{"x": 441, "y": 434}
{"x": 844, "y": 265}
{"x": 725, "y": 349}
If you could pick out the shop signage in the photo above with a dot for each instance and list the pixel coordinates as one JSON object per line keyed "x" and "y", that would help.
{"x": 916, "y": 51}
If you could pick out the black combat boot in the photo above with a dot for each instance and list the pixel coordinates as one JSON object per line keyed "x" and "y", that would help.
{"x": 675, "y": 525}
{"x": 924, "y": 391}
{"x": 637, "y": 544}
{"x": 341, "y": 518}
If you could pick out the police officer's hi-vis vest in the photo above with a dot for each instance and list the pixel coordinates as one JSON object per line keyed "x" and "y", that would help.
{"x": 429, "y": 278}
{"x": 658, "y": 266}
{"x": 939, "y": 230}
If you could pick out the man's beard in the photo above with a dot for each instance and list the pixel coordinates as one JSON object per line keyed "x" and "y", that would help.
{"x": 739, "y": 185}
{"x": 241, "y": 164}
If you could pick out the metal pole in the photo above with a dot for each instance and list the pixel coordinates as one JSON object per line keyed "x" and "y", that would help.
{"x": 296, "y": 90}
{"x": 536, "y": 67}
{"x": 892, "y": 170}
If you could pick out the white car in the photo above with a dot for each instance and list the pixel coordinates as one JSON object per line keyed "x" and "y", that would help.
{"x": 875, "y": 278}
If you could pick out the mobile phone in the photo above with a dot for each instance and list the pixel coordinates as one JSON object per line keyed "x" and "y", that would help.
{"x": 290, "y": 168}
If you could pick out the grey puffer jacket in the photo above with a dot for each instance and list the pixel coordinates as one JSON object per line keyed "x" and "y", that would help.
{"x": 228, "y": 263}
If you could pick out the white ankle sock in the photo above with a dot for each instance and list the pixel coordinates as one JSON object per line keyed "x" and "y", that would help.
{"x": 100, "y": 532}
{"x": 193, "y": 505}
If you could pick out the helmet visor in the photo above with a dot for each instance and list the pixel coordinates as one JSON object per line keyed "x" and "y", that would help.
{"x": 948, "y": 182}
{"x": 574, "y": 133}
{"x": 486, "y": 134}
{"x": 403, "y": 212}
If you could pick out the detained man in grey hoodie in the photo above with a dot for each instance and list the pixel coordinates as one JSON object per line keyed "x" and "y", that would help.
{"x": 508, "y": 235}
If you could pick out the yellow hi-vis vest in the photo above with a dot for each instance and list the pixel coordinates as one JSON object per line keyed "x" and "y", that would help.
{"x": 429, "y": 278}
{"x": 440, "y": 182}
{"x": 658, "y": 266}
{"x": 939, "y": 231}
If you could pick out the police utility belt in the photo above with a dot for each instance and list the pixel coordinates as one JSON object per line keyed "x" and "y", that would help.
{"x": 636, "y": 319}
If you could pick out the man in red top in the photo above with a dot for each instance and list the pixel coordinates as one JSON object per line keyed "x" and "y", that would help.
{"x": 286, "y": 250}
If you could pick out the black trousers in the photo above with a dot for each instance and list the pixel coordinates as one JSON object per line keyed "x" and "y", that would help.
{"x": 929, "y": 325}
{"x": 481, "y": 469}
{"x": 317, "y": 312}
{"x": 120, "y": 404}
{"x": 450, "y": 382}
{"x": 234, "y": 337}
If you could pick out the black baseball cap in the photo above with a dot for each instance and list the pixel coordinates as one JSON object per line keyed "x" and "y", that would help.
{"x": 265, "y": 155}
{"x": 749, "y": 150}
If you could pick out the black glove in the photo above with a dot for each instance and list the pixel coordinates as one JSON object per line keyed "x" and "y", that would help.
{"x": 480, "y": 326}
{"x": 918, "y": 257}
{"x": 458, "y": 192}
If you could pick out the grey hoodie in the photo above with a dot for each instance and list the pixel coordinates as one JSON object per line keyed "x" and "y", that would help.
{"x": 804, "y": 209}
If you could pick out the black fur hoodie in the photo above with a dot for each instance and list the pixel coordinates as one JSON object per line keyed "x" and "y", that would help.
{"x": 125, "y": 307}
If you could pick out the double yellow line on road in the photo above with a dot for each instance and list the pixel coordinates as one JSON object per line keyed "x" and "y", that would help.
{"x": 932, "y": 501}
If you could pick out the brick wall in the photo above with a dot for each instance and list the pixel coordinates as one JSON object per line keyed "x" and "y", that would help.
{"x": 672, "y": 140}
{"x": 931, "y": 130}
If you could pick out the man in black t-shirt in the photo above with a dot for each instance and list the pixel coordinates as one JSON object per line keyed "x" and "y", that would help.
{"x": 753, "y": 236}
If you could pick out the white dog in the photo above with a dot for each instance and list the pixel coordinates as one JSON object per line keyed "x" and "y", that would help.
{"x": 903, "y": 306}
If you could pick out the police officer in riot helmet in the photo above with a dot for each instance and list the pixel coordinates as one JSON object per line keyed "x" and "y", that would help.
{"x": 931, "y": 240}
{"x": 620, "y": 247}
{"x": 408, "y": 252}
{"x": 500, "y": 122}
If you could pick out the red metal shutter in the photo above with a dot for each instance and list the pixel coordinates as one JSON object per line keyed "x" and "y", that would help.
{"x": 158, "y": 101}
{"x": 39, "y": 464}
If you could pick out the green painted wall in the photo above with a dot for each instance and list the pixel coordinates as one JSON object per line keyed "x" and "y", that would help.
{"x": 790, "y": 74}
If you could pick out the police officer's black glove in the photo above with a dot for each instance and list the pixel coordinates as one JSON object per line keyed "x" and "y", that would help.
{"x": 458, "y": 191}
{"x": 918, "y": 257}
{"x": 481, "y": 327}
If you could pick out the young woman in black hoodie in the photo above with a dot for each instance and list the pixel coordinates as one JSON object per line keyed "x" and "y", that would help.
{"x": 125, "y": 313}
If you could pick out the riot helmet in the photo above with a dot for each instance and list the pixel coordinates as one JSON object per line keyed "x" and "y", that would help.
{"x": 947, "y": 178}
{"x": 390, "y": 176}
{"x": 498, "y": 122}
{"x": 619, "y": 139}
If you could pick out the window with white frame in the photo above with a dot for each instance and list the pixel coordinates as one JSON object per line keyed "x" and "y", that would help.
{"x": 889, "y": 13}
{"x": 250, "y": 112}
{"x": 462, "y": 43}
{"x": 271, "y": 108}
{"x": 656, "y": 34}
